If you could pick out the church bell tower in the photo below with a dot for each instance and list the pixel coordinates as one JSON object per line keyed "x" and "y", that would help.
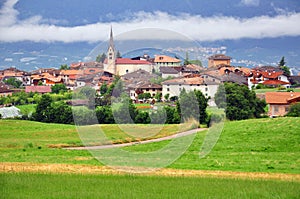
{"x": 110, "y": 66}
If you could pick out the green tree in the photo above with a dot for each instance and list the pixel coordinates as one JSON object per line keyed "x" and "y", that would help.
{"x": 101, "y": 58}
{"x": 167, "y": 96}
{"x": 144, "y": 96}
{"x": 158, "y": 96}
{"x": 59, "y": 88}
{"x": 282, "y": 66}
{"x": 240, "y": 103}
{"x": 13, "y": 82}
{"x": 64, "y": 67}
{"x": 186, "y": 60}
{"x": 103, "y": 88}
{"x": 41, "y": 113}
{"x": 294, "y": 110}
{"x": 119, "y": 54}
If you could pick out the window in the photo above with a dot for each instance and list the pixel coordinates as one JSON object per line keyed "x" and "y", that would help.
{"x": 286, "y": 109}
{"x": 153, "y": 89}
{"x": 179, "y": 84}
{"x": 147, "y": 89}
{"x": 127, "y": 71}
{"x": 276, "y": 108}
{"x": 206, "y": 89}
{"x": 213, "y": 80}
{"x": 168, "y": 89}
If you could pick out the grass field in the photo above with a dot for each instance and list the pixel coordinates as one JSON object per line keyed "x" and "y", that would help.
{"x": 263, "y": 90}
{"x": 260, "y": 145}
{"x": 28, "y": 185}
{"x": 27, "y": 109}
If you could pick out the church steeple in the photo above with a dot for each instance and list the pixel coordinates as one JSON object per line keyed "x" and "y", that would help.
{"x": 111, "y": 39}
{"x": 111, "y": 55}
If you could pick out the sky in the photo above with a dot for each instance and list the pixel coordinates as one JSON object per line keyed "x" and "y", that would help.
{"x": 206, "y": 20}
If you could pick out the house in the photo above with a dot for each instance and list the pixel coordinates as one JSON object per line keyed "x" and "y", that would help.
{"x": 279, "y": 102}
{"x": 294, "y": 80}
{"x": 137, "y": 78}
{"x": 218, "y": 59}
{"x": 170, "y": 71}
{"x": 153, "y": 89}
{"x": 5, "y": 90}
{"x": 166, "y": 61}
{"x": 174, "y": 87}
{"x": 38, "y": 89}
{"x": 268, "y": 76}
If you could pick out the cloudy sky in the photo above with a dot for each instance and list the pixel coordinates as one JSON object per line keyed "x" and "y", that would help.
{"x": 205, "y": 20}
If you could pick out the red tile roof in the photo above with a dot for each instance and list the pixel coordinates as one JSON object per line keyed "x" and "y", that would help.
{"x": 271, "y": 75}
{"x": 281, "y": 97}
{"x": 130, "y": 61}
{"x": 38, "y": 89}
{"x": 275, "y": 82}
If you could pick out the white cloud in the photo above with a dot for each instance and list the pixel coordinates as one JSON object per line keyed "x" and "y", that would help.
{"x": 193, "y": 26}
{"x": 250, "y": 2}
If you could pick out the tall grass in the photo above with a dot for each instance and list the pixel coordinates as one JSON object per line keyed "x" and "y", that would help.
{"x": 26, "y": 185}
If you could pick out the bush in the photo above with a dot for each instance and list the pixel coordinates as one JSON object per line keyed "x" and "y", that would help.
{"x": 294, "y": 110}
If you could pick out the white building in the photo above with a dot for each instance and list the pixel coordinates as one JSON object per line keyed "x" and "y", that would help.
{"x": 173, "y": 87}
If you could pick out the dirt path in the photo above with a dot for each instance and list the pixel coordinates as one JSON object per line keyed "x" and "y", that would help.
{"x": 14, "y": 167}
{"x": 141, "y": 142}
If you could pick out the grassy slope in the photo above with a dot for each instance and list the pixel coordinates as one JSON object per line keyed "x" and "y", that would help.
{"x": 26, "y": 185}
{"x": 260, "y": 145}
{"x": 27, "y": 109}
{"x": 264, "y": 145}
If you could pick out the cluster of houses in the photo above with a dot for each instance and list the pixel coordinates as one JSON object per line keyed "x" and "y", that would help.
{"x": 138, "y": 74}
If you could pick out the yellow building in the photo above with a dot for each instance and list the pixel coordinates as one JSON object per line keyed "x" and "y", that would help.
{"x": 218, "y": 59}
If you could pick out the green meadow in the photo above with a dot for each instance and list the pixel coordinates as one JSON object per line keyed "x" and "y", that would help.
{"x": 36, "y": 185}
{"x": 258, "y": 145}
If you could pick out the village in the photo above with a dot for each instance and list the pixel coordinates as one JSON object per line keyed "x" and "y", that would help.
{"x": 161, "y": 78}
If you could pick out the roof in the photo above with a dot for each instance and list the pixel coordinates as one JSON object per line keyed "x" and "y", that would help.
{"x": 219, "y": 57}
{"x": 281, "y": 97}
{"x": 170, "y": 70}
{"x": 4, "y": 88}
{"x": 38, "y": 89}
{"x": 165, "y": 58}
{"x": 71, "y": 72}
{"x": 271, "y": 75}
{"x": 139, "y": 74}
{"x": 232, "y": 77}
{"x": 150, "y": 85}
{"x": 185, "y": 81}
{"x": 131, "y": 61}
{"x": 274, "y": 82}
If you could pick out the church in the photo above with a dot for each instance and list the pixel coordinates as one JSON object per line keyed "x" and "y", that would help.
{"x": 122, "y": 66}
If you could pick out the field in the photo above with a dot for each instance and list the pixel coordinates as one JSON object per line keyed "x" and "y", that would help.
{"x": 29, "y": 185}
{"x": 256, "y": 158}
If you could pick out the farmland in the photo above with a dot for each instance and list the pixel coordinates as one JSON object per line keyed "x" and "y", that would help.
{"x": 258, "y": 147}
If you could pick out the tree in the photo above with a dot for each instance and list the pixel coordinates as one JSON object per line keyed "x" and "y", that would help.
{"x": 186, "y": 60}
{"x": 282, "y": 66}
{"x": 158, "y": 96}
{"x": 40, "y": 83}
{"x": 294, "y": 110}
{"x": 41, "y": 113}
{"x": 282, "y": 62}
{"x": 144, "y": 96}
{"x": 64, "y": 67}
{"x": 167, "y": 96}
{"x": 118, "y": 54}
{"x": 59, "y": 88}
{"x": 103, "y": 88}
{"x": 240, "y": 103}
{"x": 13, "y": 82}
{"x": 101, "y": 58}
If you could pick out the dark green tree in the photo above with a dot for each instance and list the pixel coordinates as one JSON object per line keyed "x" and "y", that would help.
{"x": 41, "y": 113}
{"x": 282, "y": 62}
{"x": 118, "y": 54}
{"x": 13, "y": 82}
{"x": 101, "y": 58}
{"x": 59, "y": 88}
{"x": 282, "y": 66}
{"x": 294, "y": 110}
{"x": 241, "y": 103}
{"x": 103, "y": 88}
{"x": 64, "y": 67}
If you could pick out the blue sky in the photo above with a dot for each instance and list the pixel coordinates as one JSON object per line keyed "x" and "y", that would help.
{"x": 203, "y": 20}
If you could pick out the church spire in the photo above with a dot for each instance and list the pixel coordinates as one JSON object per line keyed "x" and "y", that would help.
{"x": 111, "y": 38}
